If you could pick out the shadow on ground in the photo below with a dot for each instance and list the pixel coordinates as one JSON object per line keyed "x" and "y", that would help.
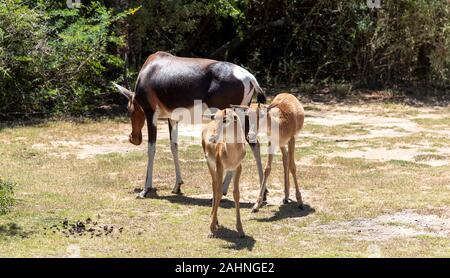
{"x": 11, "y": 230}
{"x": 232, "y": 237}
{"x": 204, "y": 202}
{"x": 288, "y": 211}
{"x": 186, "y": 200}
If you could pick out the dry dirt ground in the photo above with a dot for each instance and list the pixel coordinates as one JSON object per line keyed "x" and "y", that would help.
{"x": 375, "y": 179}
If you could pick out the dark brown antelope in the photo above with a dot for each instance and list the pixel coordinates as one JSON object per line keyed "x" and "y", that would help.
{"x": 282, "y": 120}
{"x": 166, "y": 83}
{"x": 223, "y": 143}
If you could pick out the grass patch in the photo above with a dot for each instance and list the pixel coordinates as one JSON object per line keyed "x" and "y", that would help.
{"x": 425, "y": 157}
{"x": 338, "y": 130}
{"x": 6, "y": 195}
{"x": 431, "y": 122}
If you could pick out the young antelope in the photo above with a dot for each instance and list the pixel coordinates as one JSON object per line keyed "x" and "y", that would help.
{"x": 223, "y": 143}
{"x": 282, "y": 120}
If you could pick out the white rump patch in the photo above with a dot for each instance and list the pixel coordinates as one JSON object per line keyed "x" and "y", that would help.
{"x": 246, "y": 78}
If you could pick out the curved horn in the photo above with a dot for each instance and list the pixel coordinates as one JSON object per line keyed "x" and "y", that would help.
{"x": 125, "y": 72}
{"x": 124, "y": 91}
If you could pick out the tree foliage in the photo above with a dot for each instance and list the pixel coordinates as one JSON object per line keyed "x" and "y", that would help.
{"x": 53, "y": 58}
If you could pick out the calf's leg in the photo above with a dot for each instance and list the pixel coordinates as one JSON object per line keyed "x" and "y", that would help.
{"x": 293, "y": 169}
{"x": 286, "y": 174}
{"x": 217, "y": 196}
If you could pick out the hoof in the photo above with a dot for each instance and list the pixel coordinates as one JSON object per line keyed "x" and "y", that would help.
{"x": 144, "y": 193}
{"x": 285, "y": 201}
{"x": 255, "y": 210}
{"x": 177, "y": 188}
{"x": 301, "y": 207}
{"x": 211, "y": 235}
{"x": 241, "y": 235}
{"x": 177, "y": 192}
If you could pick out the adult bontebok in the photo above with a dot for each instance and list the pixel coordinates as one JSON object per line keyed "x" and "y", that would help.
{"x": 166, "y": 83}
{"x": 281, "y": 121}
{"x": 223, "y": 143}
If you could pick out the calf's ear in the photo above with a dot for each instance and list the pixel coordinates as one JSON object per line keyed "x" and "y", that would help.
{"x": 238, "y": 108}
{"x": 209, "y": 116}
{"x": 124, "y": 91}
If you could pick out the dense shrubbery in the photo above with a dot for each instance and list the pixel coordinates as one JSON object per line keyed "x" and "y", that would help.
{"x": 53, "y": 58}
{"x": 58, "y": 59}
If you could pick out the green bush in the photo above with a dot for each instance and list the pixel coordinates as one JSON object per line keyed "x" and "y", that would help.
{"x": 6, "y": 196}
{"x": 55, "y": 59}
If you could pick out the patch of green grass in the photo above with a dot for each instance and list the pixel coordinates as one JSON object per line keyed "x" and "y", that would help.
{"x": 403, "y": 163}
{"x": 338, "y": 130}
{"x": 435, "y": 140}
{"x": 6, "y": 195}
{"x": 431, "y": 122}
{"x": 425, "y": 157}
{"x": 430, "y": 150}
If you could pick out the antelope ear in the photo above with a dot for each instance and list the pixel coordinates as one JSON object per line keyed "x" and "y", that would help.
{"x": 209, "y": 116}
{"x": 237, "y": 108}
{"x": 124, "y": 91}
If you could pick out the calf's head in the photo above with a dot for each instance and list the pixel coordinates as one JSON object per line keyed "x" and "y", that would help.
{"x": 228, "y": 127}
{"x": 136, "y": 113}
{"x": 255, "y": 119}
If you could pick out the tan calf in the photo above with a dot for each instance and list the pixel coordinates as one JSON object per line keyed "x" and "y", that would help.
{"x": 223, "y": 143}
{"x": 281, "y": 121}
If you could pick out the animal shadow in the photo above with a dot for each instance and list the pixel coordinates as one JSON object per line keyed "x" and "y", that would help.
{"x": 238, "y": 243}
{"x": 196, "y": 201}
{"x": 288, "y": 211}
{"x": 12, "y": 230}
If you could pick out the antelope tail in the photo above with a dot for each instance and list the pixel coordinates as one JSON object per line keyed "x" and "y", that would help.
{"x": 260, "y": 95}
